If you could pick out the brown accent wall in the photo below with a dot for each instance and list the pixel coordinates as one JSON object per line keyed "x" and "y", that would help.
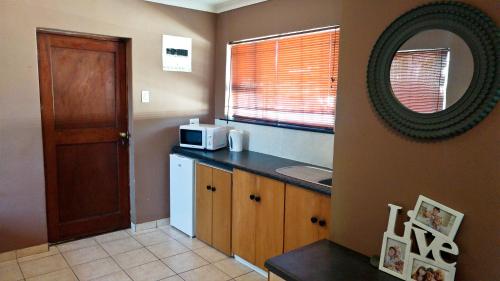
{"x": 175, "y": 97}
{"x": 262, "y": 19}
{"x": 375, "y": 166}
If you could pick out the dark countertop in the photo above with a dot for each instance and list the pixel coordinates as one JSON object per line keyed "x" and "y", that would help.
{"x": 258, "y": 163}
{"x": 325, "y": 261}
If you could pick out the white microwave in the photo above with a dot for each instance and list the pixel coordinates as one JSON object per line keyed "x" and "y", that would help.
{"x": 203, "y": 136}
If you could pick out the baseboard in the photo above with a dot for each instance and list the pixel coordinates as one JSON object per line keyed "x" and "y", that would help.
{"x": 252, "y": 266}
{"x": 149, "y": 225}
{"x": 19, "y": 253}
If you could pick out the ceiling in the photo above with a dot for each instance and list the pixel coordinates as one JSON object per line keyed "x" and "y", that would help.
{"x": 213, "y": 6}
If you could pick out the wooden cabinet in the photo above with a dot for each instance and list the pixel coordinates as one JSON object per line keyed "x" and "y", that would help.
{"x": 258, "y": 217}
{"x": 213, "y": 207}
{"x": 307, "y": 217}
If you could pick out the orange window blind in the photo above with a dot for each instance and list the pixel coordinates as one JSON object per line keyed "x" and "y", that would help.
{"x": 419, "y": 78}
{"x": 287, "y": 80}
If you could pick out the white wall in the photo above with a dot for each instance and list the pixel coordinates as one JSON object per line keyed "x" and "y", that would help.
{"x": 309, "y": 147}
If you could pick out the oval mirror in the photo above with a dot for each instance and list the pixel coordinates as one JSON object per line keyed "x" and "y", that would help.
{"x": 431, "y": 71}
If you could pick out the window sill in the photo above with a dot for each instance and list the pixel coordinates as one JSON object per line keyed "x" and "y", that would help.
{"x": 280, "y": 125}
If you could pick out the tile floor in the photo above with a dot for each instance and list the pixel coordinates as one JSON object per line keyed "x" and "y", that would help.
{"x": 162, "y": 253}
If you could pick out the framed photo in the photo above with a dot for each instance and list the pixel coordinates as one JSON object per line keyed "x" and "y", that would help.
{"x": 422, "y": 269}
{"x": 394, "y": 255}
{"x": 436, "y": 217}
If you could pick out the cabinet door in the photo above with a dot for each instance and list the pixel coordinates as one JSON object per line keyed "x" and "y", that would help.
{"x": 204, "y": 203}
{"x": 244, "y": 215}
{"x": 270, "y": 219}
{"x": 304, "y": 211}
{"x": 221, "y": 221}
{"x": 301, "y": 207}
{"x": 325, "y": 213}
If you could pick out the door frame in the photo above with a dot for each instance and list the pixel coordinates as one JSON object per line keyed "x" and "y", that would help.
{"x": 127, "y": 96}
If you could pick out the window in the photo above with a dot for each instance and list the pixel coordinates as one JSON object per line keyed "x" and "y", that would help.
{"x": 286, "y": 80}
{"x": 419, "y": 79}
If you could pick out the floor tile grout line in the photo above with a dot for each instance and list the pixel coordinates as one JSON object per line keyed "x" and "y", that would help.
{"x": 122, "y": 269}
{"x": 174, "y": 255}
{"x": 24, "y": 276}
{"x": 179, "y": 273}
{"x": 69, "y": 266}
{"x": 61, "y": 252}
{"x": 98, "y": 245}
{"x": 72, "y": 267}
{"x": 34, "y": 259}
{"x": 19, "y": 267}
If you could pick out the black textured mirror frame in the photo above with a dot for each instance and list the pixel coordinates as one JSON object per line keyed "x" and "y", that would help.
{"x": 483, "y": 38}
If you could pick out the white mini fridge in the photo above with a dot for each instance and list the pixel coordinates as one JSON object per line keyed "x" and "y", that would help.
{"x": 182, "y": 194}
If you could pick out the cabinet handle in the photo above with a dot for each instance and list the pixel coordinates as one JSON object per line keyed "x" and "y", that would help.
{"x": 213, "y": 188}
{"x": 209, "y": 187}
{"x": 257, "y": 199}
{"x": 314, "y": 219}
{"x": 252, "y": 197}
{"x": 322, "y": 223}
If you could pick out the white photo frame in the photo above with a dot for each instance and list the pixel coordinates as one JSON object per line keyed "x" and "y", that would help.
{"x": 417, "y": 262}
{"x": 444, "y": 223}
{"x": 404, "y": 245}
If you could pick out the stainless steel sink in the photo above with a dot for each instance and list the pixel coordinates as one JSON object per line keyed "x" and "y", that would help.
{"x": 309, "y": 174}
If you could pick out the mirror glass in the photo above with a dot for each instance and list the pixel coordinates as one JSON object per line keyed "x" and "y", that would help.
{"x": 431, "y": 71}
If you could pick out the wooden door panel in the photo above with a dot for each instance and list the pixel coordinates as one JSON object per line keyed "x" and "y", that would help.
{"x": 83, "y": 88}
{"x": 84, "y": 181}
{"x": 221, "y": 221}
{"x": 244, "y": 212}
{"x": 84, "y": 108}
{"x": 270, "y": 214}
{"x": 300, "y": 206}
{"x": 204, "y": 203}
{"x": 86, "y": 136}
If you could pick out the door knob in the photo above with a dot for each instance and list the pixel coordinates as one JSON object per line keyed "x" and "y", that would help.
{"x": 209, "y": 187}
{"x": 257, "y": 199}
{"x": 314, "y": 219}
{"x": 213, "y": 188}
{"x": 322, "y": 223}
{"x": 252, "y": 197}
{"x": 124, "y": 137}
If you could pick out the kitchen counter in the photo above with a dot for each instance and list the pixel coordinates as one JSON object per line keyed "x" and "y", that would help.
{"x": 325, "y": 261}
{"x": 258, "y": 163}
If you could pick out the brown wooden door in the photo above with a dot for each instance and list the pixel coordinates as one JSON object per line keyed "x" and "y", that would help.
{"x": 84, "y": 110}
{"x": 204, "y": 203}
{"x": 244, "y": 215}
{"x": 221, "y": 204}
{"x": 304, "y": 210}
{"x": 270, "y": 217}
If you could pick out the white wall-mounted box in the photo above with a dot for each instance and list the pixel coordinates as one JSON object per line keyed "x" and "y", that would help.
{"x": 176, "y": 53}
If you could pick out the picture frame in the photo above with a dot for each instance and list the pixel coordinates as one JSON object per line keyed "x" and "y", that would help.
{"x": 396, "y": 263}
{"x": 436, "y": 218}
{"x": 419, "y": 265}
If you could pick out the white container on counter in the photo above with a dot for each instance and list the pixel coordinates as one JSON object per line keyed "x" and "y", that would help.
{"x": 235, "y": 139}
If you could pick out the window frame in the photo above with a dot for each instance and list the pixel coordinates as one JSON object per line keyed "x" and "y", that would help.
{"x": 262, "y": 122}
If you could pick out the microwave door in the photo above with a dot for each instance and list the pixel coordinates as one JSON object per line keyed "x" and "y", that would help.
{"x": 192, "y": 138}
